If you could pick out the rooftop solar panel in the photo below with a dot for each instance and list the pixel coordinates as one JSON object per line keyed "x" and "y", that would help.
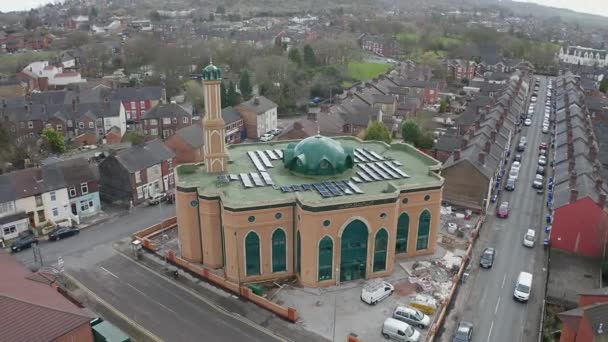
{"x": 332, "y": 188}
{"x": 388, "y": 170}
{"x": 279, "y": 153}
{"x": 267, "y": 178}
{"x": 256, "y": 179}
{"x": 370, "y": 172}
{"x": 367, "y": 155}
{"x": 322, "y": 190}
{"x": 271, "y": 154}
{"x": 306, "y": 187}
{"x": 359, "y": 156}
{"x": 296, "y": 187}
{"x": 343, "y": 187}
{"x": 256, "y": 161}
{"x": 264, "y": 159}
{"x": 376, "y": 155}
{"x": 246, "y": 181}
{"x": 354, "y": 187}
{"x": 234, "y": 177}
{"x": 364, "y": 176}
{"x": 379, "y": 171}
{"x": 398, "y": 170}
{"x": 357, "y": 160}
{"x": 286, "y": 189}
{"x": 357, "y": 179}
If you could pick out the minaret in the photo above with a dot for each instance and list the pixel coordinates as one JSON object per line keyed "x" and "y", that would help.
{"x": 216, "y": 158}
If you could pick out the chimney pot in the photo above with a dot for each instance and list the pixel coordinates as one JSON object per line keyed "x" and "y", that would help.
{"x": 573, "y": 195}
{"x": 482, "y": 158}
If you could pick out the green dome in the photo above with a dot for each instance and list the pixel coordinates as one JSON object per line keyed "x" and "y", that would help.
{"x": 211, "y": 72}
{"x": 318, "y": 156}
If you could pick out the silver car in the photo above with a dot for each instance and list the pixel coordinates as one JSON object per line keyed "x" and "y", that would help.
{"x": 411, "y": 316}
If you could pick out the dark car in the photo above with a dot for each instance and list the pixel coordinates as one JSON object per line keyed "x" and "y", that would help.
{"x": 510, "y": 185}
{"x": 62, "y": 232}
{"x": 517, "y": 158}
{"x": 487, "y": 257}
{"x": 23, "y": 243}
{"x": 521, "y": 147}
{"x": 540, "y": 170}
{"x": 464, "y": 333}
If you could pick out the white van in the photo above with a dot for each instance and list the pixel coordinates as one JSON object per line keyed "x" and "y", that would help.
{"x": 399, "y": 331}
{"x": 523, "y": 287}
{"x": 530, "y": 238}
{"x": 514, "y": 173}
{"x": 376, "y": 290}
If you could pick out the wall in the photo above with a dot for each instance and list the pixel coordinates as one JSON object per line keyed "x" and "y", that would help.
{"x": 186, "y": 206}
{"x": 88, "y": 197}
{"x": 184, "y": 153}
{"x": 82, "y": 333}
{"x": 579, "y": 227}
{"x": 21, "y": 225}
{"x": 115, "y": 182}
{"x": 61, "y": 203}
{"x": 119, "y": 120}
{"x": 465, "y": 185}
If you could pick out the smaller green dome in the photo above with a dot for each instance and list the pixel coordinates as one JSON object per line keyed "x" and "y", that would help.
{"x": 318, "y": 156}
{"x": 211, "y": 72}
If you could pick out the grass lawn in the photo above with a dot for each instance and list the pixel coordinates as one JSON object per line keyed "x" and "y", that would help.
{"x": 10, "y": 62}
{"x": 366, "y": 71}
{"x": 407, "y": 36}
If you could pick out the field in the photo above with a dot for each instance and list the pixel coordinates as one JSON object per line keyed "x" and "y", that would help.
{"x": 366, "y": 71}
{"x": 10, "y": 62}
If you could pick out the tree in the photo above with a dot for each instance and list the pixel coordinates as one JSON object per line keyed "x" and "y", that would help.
{"x": 135, "y": 138}
{"x": 604, "y": 85}
{"x": 294, "y": 56}
{"x": 377, "y": 131}
{"x": 443, "y": 105}
{"x": 232, "y": 97}
{"x": 93, "y": 13}
{"x": 55, "y": 140}
{"x": 224, "y": 93}
{"x": 154, "y": 16}
{"x": 245, "y": 85}
{"x": 194, "y": 94}
{"x": 77, "y": 39}
{"x": 220, "y": 10}
{"x": 425, "y": 141}
{"x": 410, "y": 132}
{"x": 310, "y": 60}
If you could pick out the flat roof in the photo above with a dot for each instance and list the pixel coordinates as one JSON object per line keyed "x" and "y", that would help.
{"x": 416, "y": 164}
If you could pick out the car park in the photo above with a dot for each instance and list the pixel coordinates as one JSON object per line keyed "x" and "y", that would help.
{"x": 530, "y": 238}
{"x": 487, "y": 257}
{"x": 503, "y": 210}
{"x": 523, "y": 287}
{"x": 394, "y": 329}
{"x": 376, "y": 290}
{"x": 62, "y": 233}
{"x": 538, "y": 182}
{"x": 411, "y": 316}
{"x": 24, "y": 242}
{"x": 510, "y": 184}
{"x": 464, "y": 332}
{"x": 266, "y": 137}
{"x": 542, "y": 160}
{"x": 528, "y": 122}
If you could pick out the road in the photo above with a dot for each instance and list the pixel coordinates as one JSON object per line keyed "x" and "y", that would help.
{"x": 489, "y": 292}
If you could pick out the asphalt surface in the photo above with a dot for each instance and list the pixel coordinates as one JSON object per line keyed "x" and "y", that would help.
{"x": 486, "y": 298}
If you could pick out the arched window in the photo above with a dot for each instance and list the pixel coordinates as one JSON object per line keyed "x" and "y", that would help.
{"x": 326, "y": 257}
{"x": 252, "y": 254}
{"x": 380, "y": 249}
{"x": 279, "y": 252}
{"x": 403, "y": 230}
{"x": 424, "y": 227}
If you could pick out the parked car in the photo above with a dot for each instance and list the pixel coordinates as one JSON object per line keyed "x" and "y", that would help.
{"x": 487, "y": 257}
{"x": 545, "y": 129}
{"x": 517, "y": 158}
{"x": 542, "y": 152}
{"x": 464, "y": 332}
{"x": 503, "y": 210}
{"x": 376, "y": 290}
{"x": 266, "y": 137}
{"x": 542, "y": 160}
{"x": 528, "y": 122}
{"x": 538, "y": 182}
{"x": 411, "y": 316}
{"x": 275, "y": 131}
{"x": 523, "y": 287}
{"x": 63, "y": 232}
{"x": 156, "y": 198}
{"x": 24, "y": 242}
{"x": 523, "y": 140}
{"x": 516, "y": 165}
{"x": 530, "y": 238}
{"x": 542, "y": 146}
{"x": 400, "y": 331}
{"x": 514, "y": 173}
{"x": 510, "y": 184}
{"x": 540, "y": 170}
{"x": 521, "y": 147}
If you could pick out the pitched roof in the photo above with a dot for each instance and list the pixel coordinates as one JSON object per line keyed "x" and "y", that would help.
{"x": 137, "y": 94}
{"x": 263, "y": 105}
{"x": 448, "y": 142}
{"x": 38, "y": 312}
{"x": 139, "y": 157}
{"x": 192, "y": 135}
{"x": 230, "y": 115}
{"x": 166, "y": 110}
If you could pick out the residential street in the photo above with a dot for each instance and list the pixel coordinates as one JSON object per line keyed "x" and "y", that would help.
{"x": 486, "y": 298}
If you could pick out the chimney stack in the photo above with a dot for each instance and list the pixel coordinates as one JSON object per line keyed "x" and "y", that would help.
{"x": 493, "y": 136}
{"x": 456, "y": 155}
{"x": 464, "y": 143}
{"x": 477, "y": 125}
{"x": 571, "y": 165}
{"x": 487, "y": 147}
{"x": 573, "y": 195}
{"x": 599, "y": 183}
{"x": 601, "y": 200}
{"x": 482, "y": 158}
{"x": 592, "y": 152}
{"x": 256, "y": 100}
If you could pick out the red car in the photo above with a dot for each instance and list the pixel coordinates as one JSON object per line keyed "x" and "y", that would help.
{"x": 503, "y": 210}
{"x": 543, "y": 146}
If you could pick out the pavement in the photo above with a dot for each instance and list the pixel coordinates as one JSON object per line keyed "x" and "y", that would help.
{"x": 486, "y": 297}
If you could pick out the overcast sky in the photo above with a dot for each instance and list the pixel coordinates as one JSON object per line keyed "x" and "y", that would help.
{"x": 599, "y": 7}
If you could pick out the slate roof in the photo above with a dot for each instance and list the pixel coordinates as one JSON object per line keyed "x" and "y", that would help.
{"x": 263, "y": 106}
{"x": 166, "y": 110}
{"x": 448, "y": 142}
{"x": 20, "y": 215}
{"x": 137, "y": 94}
{"x": 37, "y": 311}
{"x": 192, "y": 135}
{"x": 139, "y": 157}
{"x": 230, "y": 115}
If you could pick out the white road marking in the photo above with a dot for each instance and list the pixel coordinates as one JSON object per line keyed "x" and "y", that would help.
{"x": 108, "y": 272}
{"x": 490, "y": 333}
{"x": 504, "y": 279}
{"x": 497, "y": 304}
{"x": 152, "y": 299}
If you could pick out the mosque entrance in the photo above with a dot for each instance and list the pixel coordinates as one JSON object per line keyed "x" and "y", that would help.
{"x": 353, "y": 257}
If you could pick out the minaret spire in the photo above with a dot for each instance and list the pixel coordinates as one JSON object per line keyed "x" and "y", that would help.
{"x": 216, "y": 158}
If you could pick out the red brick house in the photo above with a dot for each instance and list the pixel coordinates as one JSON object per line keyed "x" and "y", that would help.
{"x": 187, "y": 144}
{"x": 379, "y": 45}
{"x": 113, "y": 136}
{"x": 164, "y": 120}
{"x": 137, "y": 101}
{"x": 429, "y": 89}
{"x": 589, "y": 321}
{"x": 460, "y": 69}
{"x": 135, "y": 173}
